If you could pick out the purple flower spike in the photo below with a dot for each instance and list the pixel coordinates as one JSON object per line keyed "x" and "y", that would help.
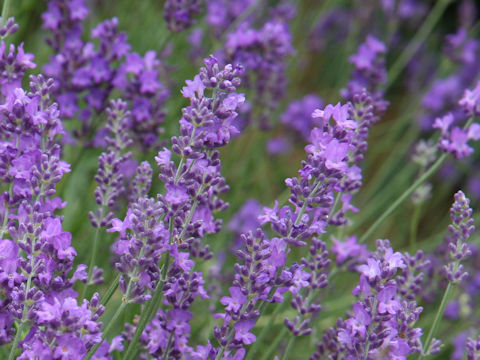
{"x": 174, "y": 224}
{"x": 179, "y": 13}
{"x": 461, "y": 229}
{"x": 86, "y": 75}
{"x": 382, "y": 322}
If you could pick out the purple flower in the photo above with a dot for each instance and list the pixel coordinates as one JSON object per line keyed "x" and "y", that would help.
{"x": 393, "y": 261}
{"x": 242, "y": 333}
{"x": 69, "y": 348}
{"x": 8, "y": 256}
{"x": 471, "y": 100}
{"x": 181, "y": 259}
{"x": 347, "y": 249}
{"x": 278, "y": 146}
{"x": 386, "y": 301}
{"x": 460, "y": 230}
{"x": 359, "y": 323}
{"x": 235, "y": 302}
{"x": 176, "y": 194}
{"x": 444, "y": 123}
{"x": 371, "y": 270}
{"x": 179, "y": 320}
{"x": 298, "y": 115}
{"x": 163, "y": 157}
{"x": 335, "y": 154}
{"x": 121, "y": 226}
{"x": 179, "y": 13}
{"x": 194, "y": 88}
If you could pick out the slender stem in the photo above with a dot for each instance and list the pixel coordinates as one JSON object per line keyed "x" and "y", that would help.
{"x": 268, "y": 328}
{"x": 190, "y": 214}
{"x": 24, "y": 311}
{"x": 222, "y": 349}
{"x": 107, "y": 330}
{"x": 436, "y": 321}
{"x": 267, "y": 355}
{"x": 334, "y": 206}
{"x": 414, "y": 226}
{"x": 92, "y": 261}
{"x": 7, "y": 212}
{"x": 16, "y": 340}
{"x": 417, "y": 41}
{"x": 432, "y": 170}
{"x": 148, "y": 312}
{"x": 404, "y": 196}
{"x": 5, "y": 10}
{"x": 289, "y": 347}
{"x": 369, "y": 331}
{"x": 22, "y": 321}
{"x": 113, "y": 286}
{"x": 392, "y": 160}
{"x": 304, "y": 206}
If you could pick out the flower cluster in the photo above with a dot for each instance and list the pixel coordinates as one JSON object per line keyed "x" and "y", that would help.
{"x": 14, "y": 62}
{"x": 460, "y": 230}
{"x": 222, "y": 13}
{"x": 317, "y": 264}
{"x": 277, "y": 279}
{"x": 443, "y": 94}
{"x": 37, "y": 255}
{"x": 369, "y": 72}
{"x": 88, "y": 74}
{"x": 454, "y": 139}
{"x": 179, "y": 13}
{"x": 382, "y": 322}
{"x": 263, "y": 53}
{"x": 298, "y": 115}
{"x": 180, "y": 217}
{"x": 245, "y": 220}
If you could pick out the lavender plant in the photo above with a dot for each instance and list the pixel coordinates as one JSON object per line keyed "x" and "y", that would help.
{"x": 109, "y": 157}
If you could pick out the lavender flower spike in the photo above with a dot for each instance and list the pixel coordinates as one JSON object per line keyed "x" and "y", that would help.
{"x": 109, "y": 177}
{"x": 183, "y": 215}
{"x": 460, "y": 230}
{"x": 179, "y": 13}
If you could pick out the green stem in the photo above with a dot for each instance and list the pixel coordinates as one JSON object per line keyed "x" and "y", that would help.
{"x": 417, "y": 41}
{"x": 16, "y": 340}
{"x": 148, "y": 312}
{"x": 268, "y": 328}
{"x": 107, "y": 329}
{"x": 110, "y": 291}
{"x": 391, "y": 162}
{"x": 432, "y": 170}
{"x": 289, "y": 347}
{"x": 402, "y": 197}
{"x": 268, "y": 354}
{"x": 5, "y": 11}
{"x": 24, "y": 312}
{"x": 222, "y": 349}
{"x": 92, "y": 261}
{"x": 414, "y": 226}
{"x": 369, "y": 331}
{"x": 334, "y": 206}
{"x": 7, "y": 213}
{"x": 436, "y": 321}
